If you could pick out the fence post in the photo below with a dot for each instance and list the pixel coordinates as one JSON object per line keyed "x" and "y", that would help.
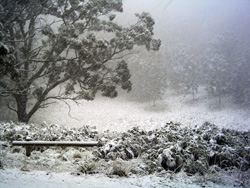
{"x": 28, "y": 151}
{"x": 28, "y": 148}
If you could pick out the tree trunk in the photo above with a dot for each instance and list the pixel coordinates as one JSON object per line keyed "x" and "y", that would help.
{"x": 193, "y": 93}
{"x": 219, "y": 95}
{"x": 21, "y": 102}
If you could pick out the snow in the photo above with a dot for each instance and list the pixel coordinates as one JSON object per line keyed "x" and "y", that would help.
{"x": 13, "y": 178}
{"x": 120, "y": 114}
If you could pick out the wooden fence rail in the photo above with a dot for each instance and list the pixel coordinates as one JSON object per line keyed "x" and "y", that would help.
{"x": 29, "y": 144}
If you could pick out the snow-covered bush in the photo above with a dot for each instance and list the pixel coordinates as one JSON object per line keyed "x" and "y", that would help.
{"x": 119, "y": 168}
{"x": 172, "y": 148}
{"x": 87, "y": 167}
{"x": 11, "y": 131}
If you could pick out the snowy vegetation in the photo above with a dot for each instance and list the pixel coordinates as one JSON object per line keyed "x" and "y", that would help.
{"x": 203, "y": 151}
{"x": 59, "y": 59}
{"x": 55, "y": 43}
{"x": 221, "y": 66}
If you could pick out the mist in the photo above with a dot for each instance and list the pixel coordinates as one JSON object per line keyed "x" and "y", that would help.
{"x": 191, "y": 34}
{"x": 192, "y": 20}
{"x": 203, "y": 62}
{"x": 158, "y": 90}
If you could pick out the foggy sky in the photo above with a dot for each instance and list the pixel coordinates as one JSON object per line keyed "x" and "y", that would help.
{"x": 192, "y": 22}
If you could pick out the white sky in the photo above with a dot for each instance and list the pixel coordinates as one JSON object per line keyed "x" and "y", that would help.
{"x": 205, "y": 18}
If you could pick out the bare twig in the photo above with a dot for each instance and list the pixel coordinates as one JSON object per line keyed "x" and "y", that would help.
{"x": 70, "y": 110}
{"x": 47, "y": 104}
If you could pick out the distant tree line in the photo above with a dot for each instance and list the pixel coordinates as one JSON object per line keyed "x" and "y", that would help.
{"x": 222, "y": 66}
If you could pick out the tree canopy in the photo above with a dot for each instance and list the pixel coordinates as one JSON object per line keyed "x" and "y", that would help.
{"x": 71, "y": 43}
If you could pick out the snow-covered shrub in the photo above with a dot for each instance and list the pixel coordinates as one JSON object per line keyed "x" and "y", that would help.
{"x": 175, "y": 148}
{"x": 119, "y": 168}
{"x": 44, "y": 132}
{"x": 88, "y": 167}
{"x": 77, "y": 155}
{"x": 171, "y": 159}
{"x": 172, "y": 148}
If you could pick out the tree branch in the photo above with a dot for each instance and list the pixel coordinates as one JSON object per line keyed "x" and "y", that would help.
{"x": 42, "y": 98}
{"x": 46, "y": 104}
{"x": 39, "y": 72}
{"x": 123, "y": 56}
{"x": 8, "y": 105}
{"x": 70, "y": 110}
{"x": 47, "y": 61}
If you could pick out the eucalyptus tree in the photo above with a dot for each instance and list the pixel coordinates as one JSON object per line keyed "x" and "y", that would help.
{"x": 4, "y": 59}
{"x": 57, "y": 43}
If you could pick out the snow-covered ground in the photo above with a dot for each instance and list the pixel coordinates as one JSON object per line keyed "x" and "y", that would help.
{"x": 15, "y": 178}
{"x": 120, "y": 114}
